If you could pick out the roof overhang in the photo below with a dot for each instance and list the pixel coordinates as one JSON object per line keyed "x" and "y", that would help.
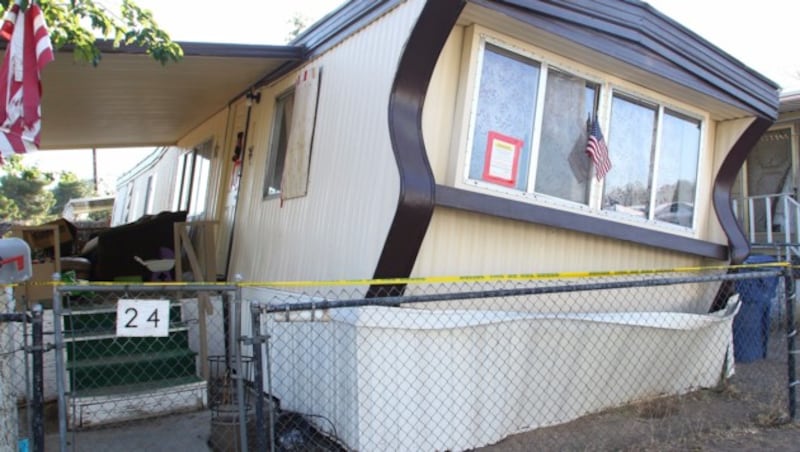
{"x": 633, "y": 40}
{"x": 790, "y": 104}
{"x": 129, "y": 99}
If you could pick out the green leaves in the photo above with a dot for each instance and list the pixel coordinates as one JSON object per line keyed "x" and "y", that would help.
{"x": 69, "y": 186}
{"x": 143, "y": 31}
{"x": 24, "y": 194}
{"x": 28, "y": 194}
{"x": 78, "y": 23}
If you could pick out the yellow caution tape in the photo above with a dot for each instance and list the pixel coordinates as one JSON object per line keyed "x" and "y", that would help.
{"x": 433, "y": 279}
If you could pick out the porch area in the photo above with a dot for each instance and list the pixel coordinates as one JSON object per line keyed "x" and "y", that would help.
{"x": 772, "y": 224}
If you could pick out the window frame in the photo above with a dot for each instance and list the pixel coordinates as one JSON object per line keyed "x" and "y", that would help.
{"x": 194, "y": 169}
{"x": 662, "y": 107}
{"x": 275, "y": 150}
{"x": 476, "y": 39}
{"x": 149, "y": 192}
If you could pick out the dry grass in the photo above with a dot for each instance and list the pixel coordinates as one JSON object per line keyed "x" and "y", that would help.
{"x": 748, "y": 411}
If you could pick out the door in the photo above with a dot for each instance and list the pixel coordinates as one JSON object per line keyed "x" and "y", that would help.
{"x": 235, "y": 143}
{"x": 769, "y": 172}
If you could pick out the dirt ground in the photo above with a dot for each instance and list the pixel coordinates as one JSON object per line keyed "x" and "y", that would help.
{"x": 749, "y": 412}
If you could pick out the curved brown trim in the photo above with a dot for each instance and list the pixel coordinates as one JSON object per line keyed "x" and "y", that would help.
{"x": 726, "y": 176}
{"x": 417, "y": 184}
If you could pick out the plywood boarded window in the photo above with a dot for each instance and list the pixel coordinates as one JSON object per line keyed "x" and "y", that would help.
{"x": 292, "y": 138}
{"x": 294, "y": 182}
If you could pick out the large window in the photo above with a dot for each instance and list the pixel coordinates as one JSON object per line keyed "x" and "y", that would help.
{"x": 276, "y": 159}
{"x": 506, "y": 105}
{"x": 529, "y": 123}
{"x": 656, "y": 153}
{"x": 529, "y": 128}
{"x": 563, "y": 169}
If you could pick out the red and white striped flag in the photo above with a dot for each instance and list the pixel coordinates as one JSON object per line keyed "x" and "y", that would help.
{"x": 598, "y": 151}
{"x": 27, "y": 54}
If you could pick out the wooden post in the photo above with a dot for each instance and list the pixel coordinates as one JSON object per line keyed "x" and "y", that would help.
{"x": 203, "y": 270}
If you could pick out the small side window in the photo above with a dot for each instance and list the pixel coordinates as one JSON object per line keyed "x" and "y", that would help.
{"x": 281, "y": 126}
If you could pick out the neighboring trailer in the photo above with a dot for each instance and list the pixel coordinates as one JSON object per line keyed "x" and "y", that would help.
{"x": 147, "y": 188}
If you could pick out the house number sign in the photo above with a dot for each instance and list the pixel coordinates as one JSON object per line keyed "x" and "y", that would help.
{"x": 142, "y": 318}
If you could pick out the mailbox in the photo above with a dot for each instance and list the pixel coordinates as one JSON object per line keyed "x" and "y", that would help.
{"x": 15, "y": 261}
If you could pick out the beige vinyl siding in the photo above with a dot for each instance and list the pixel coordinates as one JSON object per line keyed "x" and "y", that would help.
{"x": 441, "y": 103}
{"x": 464, "y": 243}
{"x": 338, "y": 229}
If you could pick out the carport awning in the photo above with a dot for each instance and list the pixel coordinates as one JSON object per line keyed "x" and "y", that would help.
{"x": 129, "y": 99}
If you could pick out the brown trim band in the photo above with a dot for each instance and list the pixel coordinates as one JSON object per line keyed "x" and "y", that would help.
{"x": 726, "y": 176}
{"x": 634, "y": 32}
{"x": 407, "y": 97}
{"x": 530, "y": 213}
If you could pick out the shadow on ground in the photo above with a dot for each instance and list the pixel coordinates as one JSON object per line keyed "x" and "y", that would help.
{"x": 749, "y": 411}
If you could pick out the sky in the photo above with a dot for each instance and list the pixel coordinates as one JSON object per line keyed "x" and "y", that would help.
{"x": 759, "y": 34}
{"x": 262, "y": 22}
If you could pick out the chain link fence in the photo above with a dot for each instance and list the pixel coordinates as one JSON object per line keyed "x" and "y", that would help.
{"x": 553, "y": 363}
{"x": 21, "y": 376}
{"x": 137, "y": 352}
{"x": 550, "y": 362}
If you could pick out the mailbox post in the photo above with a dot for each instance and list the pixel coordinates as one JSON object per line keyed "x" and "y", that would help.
{"x": 15, "y": 267}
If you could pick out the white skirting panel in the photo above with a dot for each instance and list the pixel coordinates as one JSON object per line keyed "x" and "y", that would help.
{"x": 408, "y": 379}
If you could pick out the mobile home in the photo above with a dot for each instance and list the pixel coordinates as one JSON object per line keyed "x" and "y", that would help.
{"x": 391, "y": 149}
{"x": 398, "y": 148}
{"x": 412, "y": 138}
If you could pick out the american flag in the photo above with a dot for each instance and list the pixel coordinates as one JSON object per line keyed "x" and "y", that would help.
{"x": 598, "y": 151}
{"x": 27, "y": 54}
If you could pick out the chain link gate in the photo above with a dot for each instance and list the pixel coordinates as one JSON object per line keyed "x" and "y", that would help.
{"x": 515, "y": 365}
{"x": 21, "y": 377}
{"x": 421, "y": 366}
{"x": 151, "y": 367}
